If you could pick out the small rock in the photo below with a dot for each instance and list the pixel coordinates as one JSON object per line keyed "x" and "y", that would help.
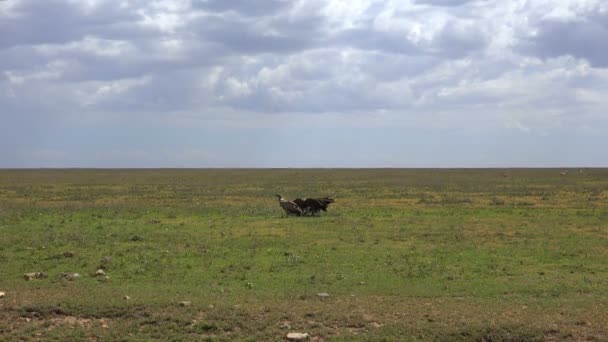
{"x": 2, "y": 294}
{"x": 69, "y": 276}
{"x": 285, "y": 326}
{"x": 100, "y": 272}
{"x": 106, "y": 259}
{"x": 294, "y": 336}
{"x": 34, "y": 275}
{"x": 323, "y": 295}
{"x": 185, "y": 303}
{"x": 126, "y": 297}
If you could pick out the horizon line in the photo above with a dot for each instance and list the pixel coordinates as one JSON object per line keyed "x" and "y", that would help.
{"x": 305, "y": 168}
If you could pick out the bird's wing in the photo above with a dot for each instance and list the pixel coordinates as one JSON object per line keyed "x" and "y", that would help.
{"x": 326, "y": 201}
{"x": 290, "y": 206}
{"x": 300, "y": 202}
{"x": 315, "y": 203}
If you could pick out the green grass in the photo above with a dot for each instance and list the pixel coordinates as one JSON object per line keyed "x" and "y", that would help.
{"x": 505, "y": 254}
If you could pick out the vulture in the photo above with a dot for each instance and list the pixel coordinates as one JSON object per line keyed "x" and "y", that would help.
{"x": 300, "y": 203}
{"x": 313, "y": 206}
{"x": 289, "y": 207}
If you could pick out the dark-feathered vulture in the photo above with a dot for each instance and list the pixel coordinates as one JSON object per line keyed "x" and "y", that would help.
{"x": 299, "y": 202}
{"x": 289, "y": 207}
{"x": 313, "y": 206}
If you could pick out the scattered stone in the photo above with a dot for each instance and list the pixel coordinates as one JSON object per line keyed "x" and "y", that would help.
{"x": 69, "y": 276}
{"x": 185, "y": 303}
{"x": 285, "y": 326}
{"x": 34, "y": 275}
{"x": 294, "y": 336}
{"x": 126, "y": 297}
{"x": 100, "y": 272}
{"x": 68, "y": 254}
{"x": 210, "y": 306}
{"x": 2, "y": 294}
{"x": 323, "y": 295}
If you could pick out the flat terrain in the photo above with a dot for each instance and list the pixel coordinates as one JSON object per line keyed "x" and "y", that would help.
{"x": 506, "y": 254}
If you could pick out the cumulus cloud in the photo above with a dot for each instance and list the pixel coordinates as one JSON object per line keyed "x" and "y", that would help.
{"x": 527, "y": 66}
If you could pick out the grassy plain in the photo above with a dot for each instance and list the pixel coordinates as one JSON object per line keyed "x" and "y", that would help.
{"x": 462, "y": 254}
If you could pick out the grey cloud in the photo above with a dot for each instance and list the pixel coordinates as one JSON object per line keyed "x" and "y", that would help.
{"x": 447, "y": 3}
{"x": 582, "y": 39}
{"x": 252, "y": 37}
{"x": 456, "y": 41}
{"x": 57, "y": 22}
{"x": 146, "y": 60}
{"x": 155, "y": 95}
{"x": 255, "y": 27}
{"x": 21, "y": 57}
{"x": 40, "y": 22}
{"x": 370, "y": 39}
{"x": 245, "y": 7}
{"x": 270, "y": 59}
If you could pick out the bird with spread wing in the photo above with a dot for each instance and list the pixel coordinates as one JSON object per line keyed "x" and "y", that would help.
{"x": 313, "y": 206}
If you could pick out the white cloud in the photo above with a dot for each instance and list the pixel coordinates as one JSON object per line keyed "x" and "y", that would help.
{"x": 537, "y": 66}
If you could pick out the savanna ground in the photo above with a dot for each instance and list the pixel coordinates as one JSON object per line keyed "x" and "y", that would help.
{"x": 511, "y": 254}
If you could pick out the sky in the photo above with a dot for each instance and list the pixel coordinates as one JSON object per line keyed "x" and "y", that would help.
{"x": 303, "y": 83}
